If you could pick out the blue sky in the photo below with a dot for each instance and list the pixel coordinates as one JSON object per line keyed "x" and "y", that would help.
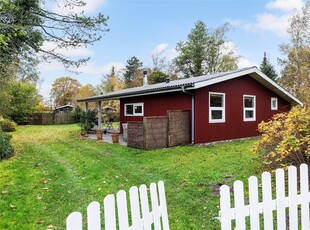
{"x": 142, "y": 27}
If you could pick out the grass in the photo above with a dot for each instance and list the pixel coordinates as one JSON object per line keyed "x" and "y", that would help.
{"x": 55, "y": 172}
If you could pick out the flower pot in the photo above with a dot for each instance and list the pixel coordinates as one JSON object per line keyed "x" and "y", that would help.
{"x": 99, "y": 134}
{"x": 115, "y": 137}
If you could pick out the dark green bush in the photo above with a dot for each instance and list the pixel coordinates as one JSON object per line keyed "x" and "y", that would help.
{"x": 87, "y": 120}
{"x": 7, "y": 125}
{"x": 6, "y": 149}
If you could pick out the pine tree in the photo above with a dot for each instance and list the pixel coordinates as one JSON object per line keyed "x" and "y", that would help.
{"x": 268, "y": 69}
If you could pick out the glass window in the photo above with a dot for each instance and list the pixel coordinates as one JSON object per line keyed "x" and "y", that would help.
{"x": 134, "y": 109}
{"x": 274, "y": 103}
{"x": 249, "y": 108}
{"x": 216, "y": 107}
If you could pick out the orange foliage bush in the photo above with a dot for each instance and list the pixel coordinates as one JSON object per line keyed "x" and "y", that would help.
{"x": 285, "y": 139}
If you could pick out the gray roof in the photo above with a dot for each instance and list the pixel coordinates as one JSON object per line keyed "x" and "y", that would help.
{"x": 195, "y": 83}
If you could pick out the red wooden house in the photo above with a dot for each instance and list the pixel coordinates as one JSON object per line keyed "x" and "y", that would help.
{"x": 223, "y": 106}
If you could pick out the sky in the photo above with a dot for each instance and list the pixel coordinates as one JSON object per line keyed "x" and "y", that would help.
{"x": 143, "y": 27}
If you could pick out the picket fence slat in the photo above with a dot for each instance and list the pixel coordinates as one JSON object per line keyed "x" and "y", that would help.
{"x": 280, "y": 195}
{"x": 155, "y": 208}
{"x": 225, "y": 210}
{"x": 292, "y": 192}
{"x": 146, "y": 215}
{"x": 278, "y": 203}
{"x": 305, "y": 197}
{"x": 122, "y": 210}
{"x": 163, "y": 204}
{"x": 74, "y": 221}
{"x": 267, "y": 200}
{"x": 135, "y": 208}
{"x": 93, "y": 216}
{"x": 115, "y": 208}
{"x": 254, "y": 206}
{"x": 239, "y": 205}
{"x": 109, "y": 212}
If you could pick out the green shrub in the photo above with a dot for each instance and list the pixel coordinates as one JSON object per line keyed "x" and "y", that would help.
{"x": 87, "y": 120}
{"x": 7, "y": 125}
{"x": 285, "y": 139}
{"x": 5, "y": 148}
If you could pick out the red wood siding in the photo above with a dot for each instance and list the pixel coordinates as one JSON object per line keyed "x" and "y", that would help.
{"x": 234, "y": 126}
{"x": 157, "y": 104}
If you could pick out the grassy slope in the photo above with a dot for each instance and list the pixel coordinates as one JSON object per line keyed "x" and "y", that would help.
{"x": 55, "y": 172}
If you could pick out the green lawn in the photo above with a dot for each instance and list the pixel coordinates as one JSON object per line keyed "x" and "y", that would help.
{"x": 55, "y": 172}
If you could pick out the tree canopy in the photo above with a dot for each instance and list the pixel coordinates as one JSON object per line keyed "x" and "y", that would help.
{"x": 64, "y": 90}
{"x": 27, "y": 25}
{"x": 268, "y": 69}
{"x": 295, "y": 75}
{"x": 133, "y": 73}
{"x": 204, "y": 52}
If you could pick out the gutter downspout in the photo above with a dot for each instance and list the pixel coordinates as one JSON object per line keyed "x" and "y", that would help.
{"x": 193, "y": 113}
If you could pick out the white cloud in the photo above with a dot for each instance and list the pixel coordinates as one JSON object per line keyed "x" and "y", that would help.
{"x": 242, "y": 61}
{"x": 70, "y": 52}
{"x": 285, "y": 5}
{"x": 90, "y": 7}
{"x": 93, "y": 69}
{"x": 270, "y": 22}
{"x": 159, "y": 49}
{"x": 164, "y": 51}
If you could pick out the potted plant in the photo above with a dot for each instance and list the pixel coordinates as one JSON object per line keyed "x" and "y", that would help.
{"x": 115, "y": 136}
{"x": 99, "y": 134}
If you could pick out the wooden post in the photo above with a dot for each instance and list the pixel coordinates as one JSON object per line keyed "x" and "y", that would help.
{"x": 86, "y": 105}
{"x": 99, "y": 115}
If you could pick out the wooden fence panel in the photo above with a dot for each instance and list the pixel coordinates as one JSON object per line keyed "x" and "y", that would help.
{"x": 135, "y": 134}
{"x": 155, "y": 132}
{"x": 268, "y": 205}
{"x": 179, "y": 127}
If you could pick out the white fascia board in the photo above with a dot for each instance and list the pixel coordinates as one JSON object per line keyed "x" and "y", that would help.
{"x": 275, "y": 85}
{"x": 221, "y": 79}
{"x": 245, "y": 72}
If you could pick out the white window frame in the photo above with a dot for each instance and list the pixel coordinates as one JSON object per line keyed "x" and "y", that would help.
{"x": 217, "y": 108}
{"x": 249, "y": 109}
{"x": 134, "y": 113}
{"x": 276, "y": 100}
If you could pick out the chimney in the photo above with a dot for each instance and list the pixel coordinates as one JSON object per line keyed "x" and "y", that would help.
{"x": 145, "y": 78}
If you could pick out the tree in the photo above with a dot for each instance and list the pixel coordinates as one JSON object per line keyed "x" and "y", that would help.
{"x": 133, "y": 75}
{"x": 26, "y": 24}
{"x": 296, "y": 66}
{"x": 204, "y": 52}
{"x": 111, "y": 82}
{"x": 64, "y": 90}
{"x": 157, "y": 76}
{"x": 83, "y": 92}
{"x": 268, "y": 69}
{"x": 24, "y": 97}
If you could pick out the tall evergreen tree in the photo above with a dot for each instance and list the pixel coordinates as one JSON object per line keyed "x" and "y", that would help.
{"x": 133, "y": 73}
{"x": 204, "y": 52}
{"x": 268, "y": 69}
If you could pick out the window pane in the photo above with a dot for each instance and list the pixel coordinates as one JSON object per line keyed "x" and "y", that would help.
{"x": 217, "y": 114}
{"x": 274, "y": 103}
{"x": 216, "y": 100}
{"x": 138, "y": 109}
{"x": 249, "y": 114}
{"x": 129, "y": 109}
{"x": 249, "y": 102}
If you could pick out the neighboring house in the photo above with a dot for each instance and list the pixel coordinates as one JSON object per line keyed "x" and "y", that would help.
{"x": 223, "y": 106}
{"x": 63, "y": 108}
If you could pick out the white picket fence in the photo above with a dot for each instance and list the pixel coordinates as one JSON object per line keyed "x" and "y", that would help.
{"x": 156, "y": 219}
{"x": 272, "y": 210}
